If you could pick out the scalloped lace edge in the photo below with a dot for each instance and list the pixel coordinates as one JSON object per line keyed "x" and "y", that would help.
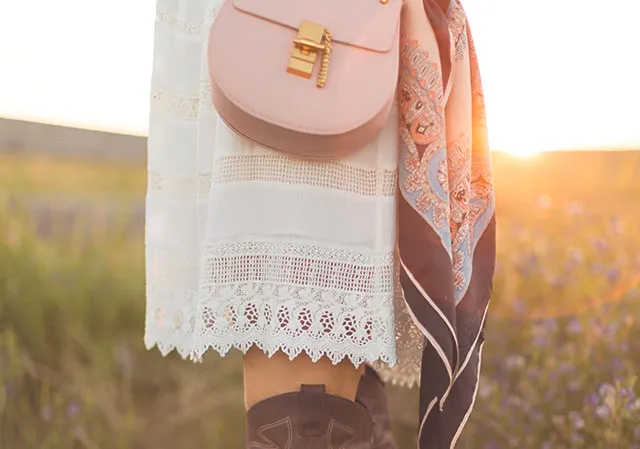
{"x": 390, "y": 371}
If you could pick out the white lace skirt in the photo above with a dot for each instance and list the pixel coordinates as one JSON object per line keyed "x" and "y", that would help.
{"x": 247, "y": 246}
{"x": 295, "y": 256}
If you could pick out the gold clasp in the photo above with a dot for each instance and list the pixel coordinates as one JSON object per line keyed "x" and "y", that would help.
{"x": 312, "y": 39}
{"x": 306, "y": 48}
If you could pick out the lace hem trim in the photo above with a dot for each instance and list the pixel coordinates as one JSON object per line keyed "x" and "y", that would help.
{"x": 378, "y": 352}
{"x": 373, "y": 353}
{"x": 293, "y": 319}
{"x": 369, "y": 324}
{"x": 405, "y": 373}
{"x": 166, "y": 345}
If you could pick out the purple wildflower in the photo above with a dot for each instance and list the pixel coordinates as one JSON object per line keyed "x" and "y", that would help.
{"x": 598, "y": 269}
{"x": 600, "y": 325}
{"x": 542, "y": 330}
{"x": 577, "y": 422}
{"x": 550, "y": 394}
{"x": 576, "y": 438}
{"x": 574, "y": 326}
{"x": 606, "y": 390}
{"x": 485, "y": 389}
{"x": 633, "y": 405}
{"x": 557, "y": 281}
{"x": 528, "y": 264}
{"x": 550, "y": 325}
{"x": 603, "y": 411}
{"x": 616, "y": 226}
{"x": 534, "y": 372}
{"x": 617, "y": 365}
{"x": 613, "y": 275}
{"x": 73, "y": 410}
{"x": 574, "y": 385}
{"x": 575, "y": 259}
{"x": 566, "y": 368}
{"x": 46, "y": 413}
{"x": 540, "y": 340}
{"x": 612, "y": 328}
{"x": 543, "y": 202}
{"x": 574, "y": 209}
{"x": 626, "y": 393}
{"x": 599, "y": 244}
{"x": 519, "y": 306}
{"x": 514, "y": 362}
{"x": 592, "y": 399}
{"x": 537, "y": 415}
{"x": 617, "y": 379}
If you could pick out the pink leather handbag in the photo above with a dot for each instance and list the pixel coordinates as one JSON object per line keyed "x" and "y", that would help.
{"x": 314, "y": 78}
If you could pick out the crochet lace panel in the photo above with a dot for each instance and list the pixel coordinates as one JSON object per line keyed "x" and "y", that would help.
{"x": 365, "y": 321}
{"x": 297, "y": 298}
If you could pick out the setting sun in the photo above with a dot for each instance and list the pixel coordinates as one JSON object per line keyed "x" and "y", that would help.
{"x": 523, "y": 152}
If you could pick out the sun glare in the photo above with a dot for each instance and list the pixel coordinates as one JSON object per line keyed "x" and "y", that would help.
{"x": 523, "y": 152}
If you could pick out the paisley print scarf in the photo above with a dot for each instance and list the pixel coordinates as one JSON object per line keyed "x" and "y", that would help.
{"x": 446, "y": 211}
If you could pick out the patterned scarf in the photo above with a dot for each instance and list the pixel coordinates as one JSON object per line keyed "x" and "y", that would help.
{"x": 446, "y": 211}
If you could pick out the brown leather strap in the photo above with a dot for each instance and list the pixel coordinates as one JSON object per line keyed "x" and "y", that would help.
{"x": 313, "y": 410}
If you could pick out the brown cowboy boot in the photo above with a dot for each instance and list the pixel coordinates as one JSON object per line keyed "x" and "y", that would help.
{"x": 308, "y": 419}
{"x": 372, "y": 394}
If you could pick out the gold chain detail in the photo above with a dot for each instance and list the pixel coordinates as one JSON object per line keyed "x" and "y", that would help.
{"x": 324, "y": 68}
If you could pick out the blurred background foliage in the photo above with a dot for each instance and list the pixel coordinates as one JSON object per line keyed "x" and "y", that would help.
{"x": 559, "y": 365}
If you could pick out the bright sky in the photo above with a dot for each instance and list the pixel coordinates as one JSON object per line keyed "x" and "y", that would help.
{"x": 557, "y": 73}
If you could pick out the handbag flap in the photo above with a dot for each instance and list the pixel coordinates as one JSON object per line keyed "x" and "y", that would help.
{"x": 369, "y": 24}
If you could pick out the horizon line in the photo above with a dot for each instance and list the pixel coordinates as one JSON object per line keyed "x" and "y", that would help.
{"x": 134, "y": 133}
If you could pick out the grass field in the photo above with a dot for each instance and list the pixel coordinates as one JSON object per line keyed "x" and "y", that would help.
{"x": 563, "y": 344}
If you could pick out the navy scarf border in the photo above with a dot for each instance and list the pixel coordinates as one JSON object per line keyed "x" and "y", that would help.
{"x": 455, "y": 334}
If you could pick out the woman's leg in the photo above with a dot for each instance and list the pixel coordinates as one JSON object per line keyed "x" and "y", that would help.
{"x": 266, "y": 377}
{"x": 298, "y": 404}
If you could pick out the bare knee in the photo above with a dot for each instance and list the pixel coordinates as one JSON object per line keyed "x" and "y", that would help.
{"x": 266, "y": 377}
